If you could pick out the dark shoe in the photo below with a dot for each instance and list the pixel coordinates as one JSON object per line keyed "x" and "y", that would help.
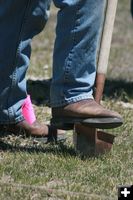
{"x": 45, "y": 132}
{"x": 87, "y": 112}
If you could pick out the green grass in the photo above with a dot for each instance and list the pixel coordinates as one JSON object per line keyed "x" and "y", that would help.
{"x": 31, "y": 170}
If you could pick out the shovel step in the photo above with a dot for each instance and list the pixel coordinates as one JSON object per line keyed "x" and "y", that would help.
{"x": 90, "y": 142}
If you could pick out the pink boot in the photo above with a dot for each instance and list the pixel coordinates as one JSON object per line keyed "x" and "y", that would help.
{"x": 28, "y": 111}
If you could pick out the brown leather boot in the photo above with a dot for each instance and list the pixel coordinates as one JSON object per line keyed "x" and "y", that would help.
{"x": 50, "y": 133}
{"x": 87, "y": 112}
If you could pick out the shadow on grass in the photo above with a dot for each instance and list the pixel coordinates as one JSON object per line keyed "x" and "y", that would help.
{"x": 118, "y": 89}
{"x": 40, "y": 90}
{"x": 61, "y": 149}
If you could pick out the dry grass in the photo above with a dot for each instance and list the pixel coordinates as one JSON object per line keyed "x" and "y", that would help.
{"x": 31, "y": 170}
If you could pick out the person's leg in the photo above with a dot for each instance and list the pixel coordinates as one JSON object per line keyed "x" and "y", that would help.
{"x": 74, "y": 62}
{"x": 20, "y": 20}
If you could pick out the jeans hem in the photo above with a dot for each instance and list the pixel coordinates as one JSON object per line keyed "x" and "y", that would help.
{"x": 65, "y": 102}
{"x": 15, "y": 121}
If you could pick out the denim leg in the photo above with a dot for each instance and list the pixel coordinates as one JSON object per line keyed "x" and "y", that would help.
{"x": 20, "y": 20}
{"x": 75, "y": 51}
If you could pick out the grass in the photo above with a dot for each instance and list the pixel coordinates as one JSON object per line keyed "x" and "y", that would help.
{"x": 31, "y": 170}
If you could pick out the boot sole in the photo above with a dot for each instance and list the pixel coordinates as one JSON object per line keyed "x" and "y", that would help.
{"x": 102, "y": 123}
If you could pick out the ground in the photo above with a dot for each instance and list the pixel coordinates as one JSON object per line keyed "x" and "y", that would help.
{"x": 31, "y": 170}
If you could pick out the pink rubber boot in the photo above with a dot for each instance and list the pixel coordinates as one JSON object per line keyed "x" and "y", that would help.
{"x": 28, "y": 111}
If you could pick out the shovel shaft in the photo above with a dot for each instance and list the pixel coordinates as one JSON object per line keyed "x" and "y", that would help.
{"x": 100, "y": 81}
{"x": 106, "y": 37}
{"x": 105, "y": 45}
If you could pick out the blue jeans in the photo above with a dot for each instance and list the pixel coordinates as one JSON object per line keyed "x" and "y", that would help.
{"x": 74, "y": 60}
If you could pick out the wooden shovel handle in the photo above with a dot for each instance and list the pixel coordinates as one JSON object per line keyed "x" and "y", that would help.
{"x": 105, "y": 44}
{"x": 100, "y": 81}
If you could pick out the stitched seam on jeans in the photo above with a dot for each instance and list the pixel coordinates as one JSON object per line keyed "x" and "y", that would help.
{"x": 69, "y": 60}
{"x": 10, "y": 110}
